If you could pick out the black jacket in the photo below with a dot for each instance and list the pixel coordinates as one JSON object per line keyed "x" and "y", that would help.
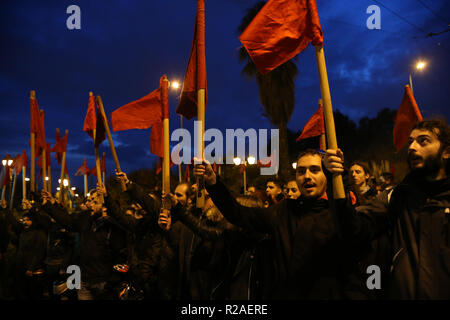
{"x": 102, "y": 241}
{"x": 306, "y": 248}
{"x": 418, "y": 217}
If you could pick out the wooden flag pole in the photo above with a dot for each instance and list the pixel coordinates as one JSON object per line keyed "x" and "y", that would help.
{"x": 44, "y": 168}
{"x": 63, "y": 167}
{"x": 24, "y": 183}
{"x": 11, "y": 200}
{"x": 33, "y": 155}
{"x": 111, "y": 143}
{"x": 338, "y": 185}
{"x": 200, "y": 203}
{"x": 85, "y": 184}
{"x": 323, "y": 139}
{"x": 49, "y": 175}
{"x": 166, "y": 158}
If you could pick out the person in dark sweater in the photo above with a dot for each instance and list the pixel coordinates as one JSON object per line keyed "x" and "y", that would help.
{"x": 306, "y": 247}
{"x": 29, "y": 269}
{"x": 102, "y": 244}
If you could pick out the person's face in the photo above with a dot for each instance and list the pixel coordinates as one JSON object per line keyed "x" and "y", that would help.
{"x": 93, "y": 203}
{"x": 357, "y": 175}
{"x": 424, "y": 152}
{"x": 180, "y": 194}
{"x": 292, "y": 190}
{"x": 310, "y": 178}
{"x": 27, "y": 222}
{"x": 272, "y": 190}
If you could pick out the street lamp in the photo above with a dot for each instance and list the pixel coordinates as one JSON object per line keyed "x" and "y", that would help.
{"x": 294, "y": 165}
{"x": 174, "y": 85}
{"x": 420, "y": 65}
{"x": 237, "y": 161}
{"x": 251, "y": 160}
{"x": 65, "y": 182}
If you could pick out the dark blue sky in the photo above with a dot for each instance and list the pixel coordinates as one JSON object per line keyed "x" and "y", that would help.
{"x": 124, "y": 47}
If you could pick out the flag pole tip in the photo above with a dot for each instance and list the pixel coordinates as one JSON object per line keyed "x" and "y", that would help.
{"x": 91, "y": 93}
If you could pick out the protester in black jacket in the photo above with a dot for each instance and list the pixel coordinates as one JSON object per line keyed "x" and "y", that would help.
{"x": 102, "y": 244}
{"x": 417, "y": 216}
{"x": 307, "y": 250}
{"x": 152, "y": 260}
{"x": 29, "y": 265}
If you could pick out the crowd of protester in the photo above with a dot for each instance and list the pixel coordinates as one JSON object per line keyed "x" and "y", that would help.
{"x": 291, "y": 240}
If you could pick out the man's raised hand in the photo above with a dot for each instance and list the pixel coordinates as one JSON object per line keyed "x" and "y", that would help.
{"x": 334, "y": 161}
{"x": 205, "y": 171}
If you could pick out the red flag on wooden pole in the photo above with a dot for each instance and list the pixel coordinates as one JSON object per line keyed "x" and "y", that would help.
{"x": 90, "y": 121}
{"x": 407, "y": 116}
{"x": 315, "y": 125}
{"x": 280, "y": 31}
{"x": 195, "y": 77}
{"x": 83, "y": 170}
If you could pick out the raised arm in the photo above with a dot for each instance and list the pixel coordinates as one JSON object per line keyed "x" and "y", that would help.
{"x": 254, "y": 219}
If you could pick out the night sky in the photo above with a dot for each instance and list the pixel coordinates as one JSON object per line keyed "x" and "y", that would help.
{"x": 124, "y": 47}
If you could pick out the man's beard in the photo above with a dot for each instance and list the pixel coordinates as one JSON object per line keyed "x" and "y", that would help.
{"x": 431, "y": 166}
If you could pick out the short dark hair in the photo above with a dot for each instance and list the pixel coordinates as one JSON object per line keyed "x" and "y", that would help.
{"x": 276, "y": 181}
{"x": 189, "y": 190}
{"x": 438, "y": 127}
{"x": 312, "y": 152}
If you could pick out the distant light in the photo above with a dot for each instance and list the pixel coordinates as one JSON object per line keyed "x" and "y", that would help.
{"x": 27, "y": 179}
{"x": 65, "y": 183}
{"x": 294, "y": 165}
{"x": 251, "y": 160}
{"x": 175, "y": 84}
{"x": 420, "y": 65}
{"x": 73, "y": 188}
{"x": 77, "y": 195}
{"x": 88, "y": 194}
{"x": 4, "y": 162}
{"x": 59, "y": 180}
{"x": 46, "y": 178}
{"x": 58, "y": 188}
{"x": 10, "y": 162}
{"x": 237, "y": 161}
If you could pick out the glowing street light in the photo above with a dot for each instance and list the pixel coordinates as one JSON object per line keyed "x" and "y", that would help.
{"x": 175, "y": 85}
{"x": 58, "y": 188}
{"x": 251, "y": 160}
{"x": 294, "y": 165}
{"x": 237, "y": 161}
{"x": 46, "y": 178}
{"x": 73, "y": 188}
{"x": 420, "y": 65}
{"x": 27, "y": 179}
{"x": 65, "y": 182}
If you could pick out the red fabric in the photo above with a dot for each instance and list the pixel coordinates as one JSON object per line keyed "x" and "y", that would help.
{"x": 352, "y": 197}
{"x": 187, "y": 173}
{"x": 100, "y": 130}
{"x": 60, "y": 147}
{"x": 47, "y": 157}
{"x": 407, "y": 116}
{"x": 195, "y": 77}
{"x": 34, "y": 116}
{"x": 139, "y": 114}
{"x": 281, "y": 30}
{"x": 156, "y": 140}
{"x": 93, "y": 171}
{"x": 21, "y": 161}
{"x": 315, "y": 125}
{"x": 83, "y": 170}
{"x": 90, "y": 121}
{"x": 5, "y": 179}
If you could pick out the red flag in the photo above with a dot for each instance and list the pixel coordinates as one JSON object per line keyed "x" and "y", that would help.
{"x": 407, "y": 115}
{"x": 47, "y": 157}
{"x": 60, "y": 147}
{"x": 187, "y": 173}
{"x": 280, "y": 31}
{"x": 100, "y": 135}
{"x": 83, "y": 170}
{"x": 90, "y": 121}
{"x": 156, "y": 140}
{"x": 139, "y": 114}
{"x": 93, "y": 171}
{"x": 195, "y": 77}
{"x": 21, "y": 161}
{"x": 4, "y": 178}
{"x": 315, "y": 125}
{"x": 34, "y": 116}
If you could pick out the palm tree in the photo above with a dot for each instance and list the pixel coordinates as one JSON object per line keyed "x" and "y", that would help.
{"x": 276, "y": 91}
